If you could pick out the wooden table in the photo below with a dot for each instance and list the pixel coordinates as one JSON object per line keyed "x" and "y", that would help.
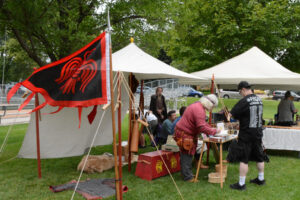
{"x": 216, "y": 141}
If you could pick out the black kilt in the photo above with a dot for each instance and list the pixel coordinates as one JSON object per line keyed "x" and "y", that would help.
{"x": 245, "y": 151}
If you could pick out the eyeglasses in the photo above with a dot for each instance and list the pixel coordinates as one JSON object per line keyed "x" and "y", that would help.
{"x": 240, "y": 91}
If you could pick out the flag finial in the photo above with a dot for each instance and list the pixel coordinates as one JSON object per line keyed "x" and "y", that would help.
{"x": 131, "y": 40}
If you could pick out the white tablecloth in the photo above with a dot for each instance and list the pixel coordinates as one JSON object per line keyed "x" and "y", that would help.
{"x": 281, "y": 139}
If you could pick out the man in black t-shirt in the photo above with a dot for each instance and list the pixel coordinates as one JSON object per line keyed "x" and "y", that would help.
{"x": 249, "y": 111}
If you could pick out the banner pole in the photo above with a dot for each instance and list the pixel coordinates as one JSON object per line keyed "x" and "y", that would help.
{"x": 113, "y": 110}
{"x": 114, "y": 127}
{"x": 120, "y": 136}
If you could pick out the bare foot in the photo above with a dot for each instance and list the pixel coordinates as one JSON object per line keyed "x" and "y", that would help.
{"x": 202, "y": 166}
{"x": 193, "y": 180}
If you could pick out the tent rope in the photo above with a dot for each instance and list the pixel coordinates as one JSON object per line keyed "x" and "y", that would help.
{"x": 7, "y": 134}
{"x": 8, "y": 160}
{"x": 150, "y": 135}
{"x": 92, "y": 144}
{"x": 95, "y": 135}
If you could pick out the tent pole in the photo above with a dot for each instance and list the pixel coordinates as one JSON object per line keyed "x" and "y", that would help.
{"x": 130, "y": 124}
{"x": 37, "y": 129}
{"x": 120, "y": 136}
{"x": 141, "y": 103}
{"x": 114, "y": 127}
{"x": 210, "y": 115}
{"x": 141, "y": 113}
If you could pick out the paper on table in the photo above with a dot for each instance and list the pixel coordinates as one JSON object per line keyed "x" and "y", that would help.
{"x": 222, "y": 133}
{"x": 220, "y": 126}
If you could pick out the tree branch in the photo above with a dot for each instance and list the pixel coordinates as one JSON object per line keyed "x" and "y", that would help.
{"x": 123, "y": 19}
{"x": 63, "y": 26}
{"x": 45, "y": 9}
{"x": 84, "y": 12}
{"x": 1, "y": 3}
{"x": 23, "y": 44}
{"x": 47, "y": 46}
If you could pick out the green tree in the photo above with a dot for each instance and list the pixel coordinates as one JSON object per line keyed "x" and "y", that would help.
{"x": 14, "y": 61}
{"x": 145, "y": 20}
{"x": 48, "y": 30}
{"x": 52, "y": 29}
{"x": 205, "y": 33}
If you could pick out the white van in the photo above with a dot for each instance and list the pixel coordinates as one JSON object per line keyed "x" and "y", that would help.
{"x": 230, "y": 94}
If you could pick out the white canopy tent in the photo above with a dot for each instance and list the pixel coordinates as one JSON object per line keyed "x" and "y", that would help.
{"x": 59, "y": 133}
{"x": 144, "y": 66}
{"x": 253, "y": 66}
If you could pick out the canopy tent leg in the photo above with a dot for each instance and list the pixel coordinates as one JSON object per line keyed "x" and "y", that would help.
{"x": 210, "y": 116}
{"x": 130, "y": 124}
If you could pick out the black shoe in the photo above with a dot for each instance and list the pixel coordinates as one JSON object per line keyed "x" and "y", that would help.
{"x": 237, "y": 186}
{"x": 258, "y": 182}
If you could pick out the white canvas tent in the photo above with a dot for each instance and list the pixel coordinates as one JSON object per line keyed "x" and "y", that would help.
{"x": 253, "y": 66}
{"x": 59, "y": 133}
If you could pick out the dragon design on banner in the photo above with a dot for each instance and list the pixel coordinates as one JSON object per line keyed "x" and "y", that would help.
{"x": 78, "y": 80}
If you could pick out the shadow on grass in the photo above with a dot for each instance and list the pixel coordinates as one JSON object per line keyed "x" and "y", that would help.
{"x": 285, "y": 153}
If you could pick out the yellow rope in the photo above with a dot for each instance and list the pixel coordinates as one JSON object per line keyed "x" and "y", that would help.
{"x": 223, "y": 105}
{"x": 8, "y": 160}
{"x": 92, "y": 143}
{"x": 150, "y": 135}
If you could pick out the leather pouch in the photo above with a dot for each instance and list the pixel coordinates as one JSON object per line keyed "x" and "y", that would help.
{"x": 188, "y": 144}
{"x": 179, "y": 142}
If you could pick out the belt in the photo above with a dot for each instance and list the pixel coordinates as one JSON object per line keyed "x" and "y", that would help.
{"x": 182, "y": 132}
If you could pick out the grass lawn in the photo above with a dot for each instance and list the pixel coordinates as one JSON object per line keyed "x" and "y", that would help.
{"x": 18, "y": 177}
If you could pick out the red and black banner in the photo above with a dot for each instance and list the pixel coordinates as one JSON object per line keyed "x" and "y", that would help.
{"x": 78, "y": 80}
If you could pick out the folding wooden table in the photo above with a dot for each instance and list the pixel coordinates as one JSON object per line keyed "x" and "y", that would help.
{"x": 221, "y": 141}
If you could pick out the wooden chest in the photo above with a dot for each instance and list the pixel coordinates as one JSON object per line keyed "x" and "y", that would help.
{"x": 151, "y": 166}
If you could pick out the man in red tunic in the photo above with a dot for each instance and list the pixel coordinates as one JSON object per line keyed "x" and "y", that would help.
{"x": 192, "y": 123}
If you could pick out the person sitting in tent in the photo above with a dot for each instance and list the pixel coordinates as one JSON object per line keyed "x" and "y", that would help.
{"x": 286, "y": 110}
{"x": 167, "y": 128}
{"x": 152, "y": 121}
{"x": 192, "y": 123}
{"x": 181, "y": 111}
